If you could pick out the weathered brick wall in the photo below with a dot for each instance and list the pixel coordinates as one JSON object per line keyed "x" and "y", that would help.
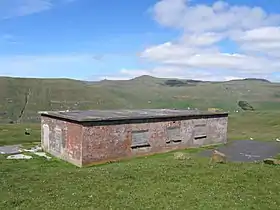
{"x": 217, "y": 130}
{"x": 62, "y": 139}
{"x": 104, "y": 143}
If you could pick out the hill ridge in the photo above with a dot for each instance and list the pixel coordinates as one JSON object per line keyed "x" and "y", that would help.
{"x": 63, "y": 94}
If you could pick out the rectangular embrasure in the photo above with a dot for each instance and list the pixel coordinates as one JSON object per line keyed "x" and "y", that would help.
{"x": 140, "y": 139}
{"x": 200, "y": 131}
{"x": 173, "y": 135}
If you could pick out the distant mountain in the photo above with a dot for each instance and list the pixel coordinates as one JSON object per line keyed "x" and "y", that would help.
{"x": 257, "y": 79}
{"x": 252, "y": 79}
{"x": 22, "y": 98}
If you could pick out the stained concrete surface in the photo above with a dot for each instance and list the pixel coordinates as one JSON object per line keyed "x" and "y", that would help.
{"x": 122, "y": 114}
{"x": 247, "y": 150}
{"x": 10, "y": 150}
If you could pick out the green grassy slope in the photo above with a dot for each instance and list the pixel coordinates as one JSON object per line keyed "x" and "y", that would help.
{"x": 142, "y": 92}
{"x": 158, "y": 182}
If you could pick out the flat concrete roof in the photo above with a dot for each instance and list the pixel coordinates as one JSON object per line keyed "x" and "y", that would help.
{"x": 127, "y": 114}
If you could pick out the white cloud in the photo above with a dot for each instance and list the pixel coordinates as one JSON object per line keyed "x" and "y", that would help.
{"x": 16, "y": 8}
{"x": 228, "y": 78}
{"x": 209, "y": 31}
{"x": 202, "y": 39}
{"x": 168, "y": 50}
{"x": 261, "y": 34}
{"x": 218, "y": 41}
{"x": 265, "y": 40}
{"x": 209, "y": 59}
{"x": 219, "y": 16}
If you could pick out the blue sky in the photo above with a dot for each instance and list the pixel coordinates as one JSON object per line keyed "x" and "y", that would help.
{"x": 122, "y": 39}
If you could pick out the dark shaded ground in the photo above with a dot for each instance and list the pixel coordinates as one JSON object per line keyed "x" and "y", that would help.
{"x": 247, "y": 150}
{"x": 11, "y": 149}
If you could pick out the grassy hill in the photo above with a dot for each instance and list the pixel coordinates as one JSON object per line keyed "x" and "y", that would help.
{"x": 24, "y": 96}
{"x": 155, "y": 182}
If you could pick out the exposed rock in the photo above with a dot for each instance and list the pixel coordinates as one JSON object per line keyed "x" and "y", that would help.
{"x": 245, "y": 106}
{"x": 218, "y": 157}
{"x": 34, "y": 149}
{"x": 271, "y": 161}
{"x": 19, "y": 157}
{"x": 42, "y": 154}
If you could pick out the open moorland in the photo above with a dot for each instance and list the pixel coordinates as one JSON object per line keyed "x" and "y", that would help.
{"x": 22, "y": 98}
{"x": 155, "y": 182}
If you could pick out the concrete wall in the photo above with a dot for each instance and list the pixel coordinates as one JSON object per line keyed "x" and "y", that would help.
{"x": 62, "y": 139}
{"x": 111, "y": 142}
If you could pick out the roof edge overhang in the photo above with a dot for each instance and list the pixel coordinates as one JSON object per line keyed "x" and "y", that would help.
{"x": 132, "y": 120}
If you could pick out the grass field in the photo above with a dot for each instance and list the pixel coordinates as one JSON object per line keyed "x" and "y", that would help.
{"x": 156, "y": 182}
{"x": 15, "y": 133}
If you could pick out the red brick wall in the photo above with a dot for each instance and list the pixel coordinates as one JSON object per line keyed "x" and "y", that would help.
{"x": 106, "y": 143}
{"x": 68, "y": 146}
{"x": 88, "y": 145}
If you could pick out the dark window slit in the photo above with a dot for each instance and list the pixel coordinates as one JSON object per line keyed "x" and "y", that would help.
{"x": 140, "y": 146}
{"x": 176, "y": 141}
{"x": 173, "y": 141}
{"x": 200, "y": 137}
{"x": 200, "y": 125}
